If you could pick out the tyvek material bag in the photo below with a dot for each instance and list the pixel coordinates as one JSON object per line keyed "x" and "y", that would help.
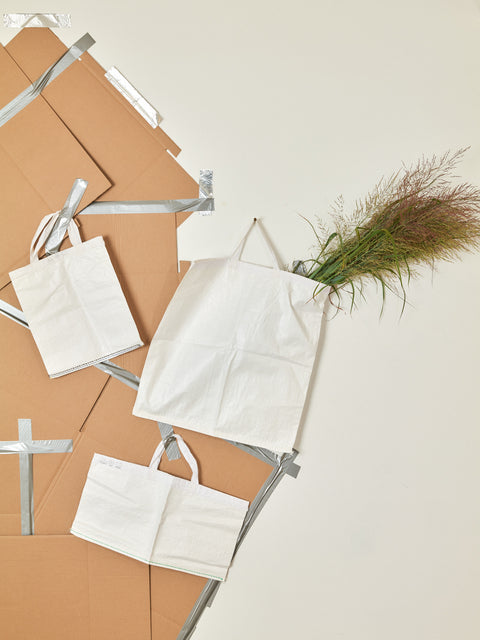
{"x": 73, "y": 303}
{"x": 158, "y": 518}
{"x": 234, "y": 352}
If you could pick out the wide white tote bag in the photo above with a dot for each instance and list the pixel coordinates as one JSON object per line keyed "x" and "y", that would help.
{"x": 158, "y": 518}
{"x": 73, "y": 303}
{"x": 234, "y": 352}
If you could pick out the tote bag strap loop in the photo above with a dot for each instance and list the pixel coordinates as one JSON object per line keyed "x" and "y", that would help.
{"x": 44, "y": 229}
{"x": 187, "y": 454}
{"x": 238, "y": 251}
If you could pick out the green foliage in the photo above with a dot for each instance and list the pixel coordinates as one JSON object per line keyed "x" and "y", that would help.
{"x": 415, "y": 217}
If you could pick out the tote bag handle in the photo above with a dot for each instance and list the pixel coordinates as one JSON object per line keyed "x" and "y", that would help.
{"x": 187, "y": 454}
{"x": 44, "y": 229}
{"x": 238, "y": 251}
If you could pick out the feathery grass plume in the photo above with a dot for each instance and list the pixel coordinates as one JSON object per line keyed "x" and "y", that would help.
{"x": 415, "y": 217}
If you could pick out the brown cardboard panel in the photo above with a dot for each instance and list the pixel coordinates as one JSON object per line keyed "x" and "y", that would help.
{"x": 173, "y": 597}
{"x": 58, "y": 587}
{"x": 131, "y": 153}
{"x": 39, "y": 160}
{"x": 58, "y": 408}
{"x": 143, "y": 250}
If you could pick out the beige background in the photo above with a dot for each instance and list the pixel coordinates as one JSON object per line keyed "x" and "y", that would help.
{"x": 293, "y": 104}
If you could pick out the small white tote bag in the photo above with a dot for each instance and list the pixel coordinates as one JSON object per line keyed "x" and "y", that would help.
{"x": 234, "y": 352}
{"x": 73, "y": 303}
{"x": 158, "y": 518}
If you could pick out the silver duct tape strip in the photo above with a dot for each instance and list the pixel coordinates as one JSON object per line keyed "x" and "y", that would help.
{"x": 150, "y": 206}
{"x": 36, "y": 446}
{"x": 299, "y": 267}
{"x": 130, "y": 379}
{"x": 50, "y": 20}
{"x": 35, "y": 89}
{"x": 26, "y": 479}
{"x": 59, "y": 230}
{"x": 168, "y": 437}
{"x": 205, "y": 184}
{"x": 134, "y": 97}
{"x": 209, "y": 591}
{"x": 275, "y": 459}
{"x": 13, "y": 313}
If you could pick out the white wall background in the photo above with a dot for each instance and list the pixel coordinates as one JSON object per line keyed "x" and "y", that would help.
{"x": 293, "y": 104}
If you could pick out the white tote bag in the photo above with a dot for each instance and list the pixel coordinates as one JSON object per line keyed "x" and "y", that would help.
{"x": 158, "y": 518}
{"x": 234, "y": 352}
{"x": 73, "y": 303}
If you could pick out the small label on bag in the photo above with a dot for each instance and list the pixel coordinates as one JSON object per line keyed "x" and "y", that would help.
{"x": 109, "y": 462}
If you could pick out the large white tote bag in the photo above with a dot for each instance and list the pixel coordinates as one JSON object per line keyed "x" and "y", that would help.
{"x": 73, "y": 303}
{"x": 158, "y": 518}
{"x": 234, "y": 352}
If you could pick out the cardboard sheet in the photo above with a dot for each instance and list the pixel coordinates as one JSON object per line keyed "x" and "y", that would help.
{"x": 39, "y": 160}
{"x": 59, "y": 587}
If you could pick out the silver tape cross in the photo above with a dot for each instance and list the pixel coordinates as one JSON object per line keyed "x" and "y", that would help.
{"x": 25, "y": 447}
{"x": 50, "y": 20}
{"x": 35, "y": 89}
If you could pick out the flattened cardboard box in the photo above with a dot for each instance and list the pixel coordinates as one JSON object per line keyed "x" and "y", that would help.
{"x": 143, "y": 250}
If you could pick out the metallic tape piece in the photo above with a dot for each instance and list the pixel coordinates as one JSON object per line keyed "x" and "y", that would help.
{"x": 212, "y": 586}
{"x": 205, "y": 187}
{"x": 150, "y": 206}
{"x": 271, "y": 457}
{"x": 36, "y": 446}
{"x": 299, "y": 267}
{"x": 130, "y": 379}
{"x": 59, "y": 230}
{"x": 168, "y": 437}
{"x": 13, "y": 313}
{"x": 205, "y": 184}
{"x": 26, "y": 479}
{"x": 31, "y": 92}
{"x": 50, "y": 20}
{"x": 138, "y": 102}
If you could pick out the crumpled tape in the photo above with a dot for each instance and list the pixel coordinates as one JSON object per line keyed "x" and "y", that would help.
{"x": 50, "y": 20}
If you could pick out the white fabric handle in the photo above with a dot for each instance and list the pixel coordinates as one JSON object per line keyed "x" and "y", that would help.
{"x": 238, "y": 251}
{"x": 45, "y": 228}
{"x": 187, "y": 454}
